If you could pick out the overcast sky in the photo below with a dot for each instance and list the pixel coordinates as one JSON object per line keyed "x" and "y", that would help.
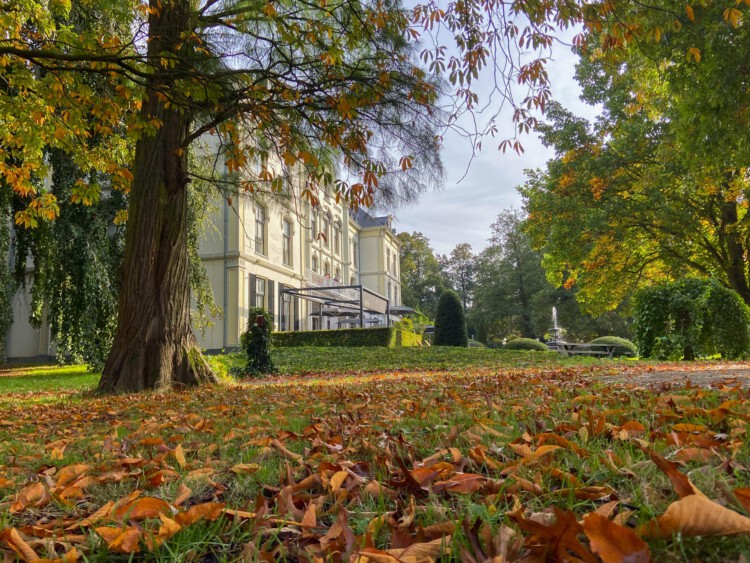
{"x": 465, "y": 208}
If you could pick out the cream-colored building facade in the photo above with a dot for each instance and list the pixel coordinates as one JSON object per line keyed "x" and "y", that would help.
{"x": 257, "y": 249}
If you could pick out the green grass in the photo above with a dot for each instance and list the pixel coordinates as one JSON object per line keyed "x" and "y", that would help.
{"x": 46, "y": 378}
{"x": 316, "y": 360}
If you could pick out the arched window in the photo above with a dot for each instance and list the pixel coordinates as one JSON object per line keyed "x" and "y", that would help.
{"x": 315, "y": 263}
{"x": 327, "y": 269}
{"x": 337, "y": 276}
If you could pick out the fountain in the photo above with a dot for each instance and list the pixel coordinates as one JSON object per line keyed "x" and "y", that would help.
{"x": 556, "y": 331}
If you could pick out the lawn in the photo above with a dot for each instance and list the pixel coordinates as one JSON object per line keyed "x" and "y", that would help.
{"x": 515, "y": 456}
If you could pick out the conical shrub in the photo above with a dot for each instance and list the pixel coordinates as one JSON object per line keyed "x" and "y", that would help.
{"x": 450, "y": 322}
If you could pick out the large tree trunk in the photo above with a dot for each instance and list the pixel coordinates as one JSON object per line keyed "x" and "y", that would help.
{"x": 154, "y": 346}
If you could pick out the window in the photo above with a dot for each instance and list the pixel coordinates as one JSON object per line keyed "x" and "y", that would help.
{"x": 337, "y": 277}
{"x": 260, "y": 292}
{"x": 286, "y": 311}
{"x": 315, "y": 263}
{"x": 327, "y": 269}
{"x": 337, "y": 239}
{"x": 352, "y": 281}
{"x": 287, "y": 242}
{"x": 314, "y": 225}
{"x": 260, "y": 230}
{"x": 354, "y": 254}
{"x": 394, "y": 264}
{"x": 326, "y": 229}
{"x": 388, "y": 259}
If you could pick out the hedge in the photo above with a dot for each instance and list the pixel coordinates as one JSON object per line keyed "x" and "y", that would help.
{"x": 380, "y": 336}
{"x": 624, "y": 346}
{"x": 526, "y": 344}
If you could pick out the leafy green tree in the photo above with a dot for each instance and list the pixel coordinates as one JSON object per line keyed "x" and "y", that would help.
{"x": 514, "y": 298}
{"x": 421, "y": 279}
{"x": 450, "y": 321}
{"x": 656, "y": 188}
{"x": 509, "y": 276}
{"x": 460, "y": 270}
{"x": 691, "y": 318}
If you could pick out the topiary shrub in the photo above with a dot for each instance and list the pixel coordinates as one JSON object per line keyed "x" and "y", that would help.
{"x": 624, "y": 346}
{"x": 690, "y": 318}
{"x": 450, "y": 322}
{"x": 526, "y": 344}
{"x": 256, "y": 342}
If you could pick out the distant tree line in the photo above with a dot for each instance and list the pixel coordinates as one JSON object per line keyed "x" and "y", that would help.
{"x": 503, "y": 289}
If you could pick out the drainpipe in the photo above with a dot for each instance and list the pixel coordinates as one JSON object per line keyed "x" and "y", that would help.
{"x": 226, "y": 278}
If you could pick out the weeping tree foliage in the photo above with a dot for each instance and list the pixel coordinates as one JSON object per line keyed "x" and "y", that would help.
{"x": 691, "y": 318}
{"x": 76, "y": 262}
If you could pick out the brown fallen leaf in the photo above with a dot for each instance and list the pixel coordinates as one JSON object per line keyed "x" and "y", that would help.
{"x": 695, "y": 515}
{"x": 121, "y": 540}
{"x": 142, "y": 508}
{"x": 613, "y": 543}
{"x": 206, "y": 511}
{"x": 415, "y": 553}
{"x": 13, "y": 540}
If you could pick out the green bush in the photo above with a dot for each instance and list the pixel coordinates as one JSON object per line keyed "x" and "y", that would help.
{"x": 450, "y": 322}
{"x": 690, "y": 318}
{"x": 256, "y": 342}
{"x": 349, "y": 337}
{"x": 624, "y": 346}
{"x": 526, "y": 344}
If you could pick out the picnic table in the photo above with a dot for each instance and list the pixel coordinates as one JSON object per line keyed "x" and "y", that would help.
{"x": 583, "y": 349}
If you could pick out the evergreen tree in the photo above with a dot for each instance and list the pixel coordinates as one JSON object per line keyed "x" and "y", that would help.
{"x": 450, "y": 322}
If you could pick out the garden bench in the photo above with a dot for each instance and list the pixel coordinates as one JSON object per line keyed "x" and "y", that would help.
{"x": 583, "y": 349}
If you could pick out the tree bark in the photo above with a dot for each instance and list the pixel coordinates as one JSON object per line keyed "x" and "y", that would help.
{"x": 154, "y": 346}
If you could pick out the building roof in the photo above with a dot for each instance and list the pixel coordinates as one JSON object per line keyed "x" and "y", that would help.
{"x": 366, "y": 220}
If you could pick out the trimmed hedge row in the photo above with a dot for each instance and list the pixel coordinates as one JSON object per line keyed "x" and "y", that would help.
{"x": 350, "y": 337}
{"x": 526, "y": 344}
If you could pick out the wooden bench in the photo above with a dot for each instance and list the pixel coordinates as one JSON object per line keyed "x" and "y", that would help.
{"x": 583, "y": 349}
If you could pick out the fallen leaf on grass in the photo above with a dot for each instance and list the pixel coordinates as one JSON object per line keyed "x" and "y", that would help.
{"x": 142, "y": 508}
{"x": 695, "y": 515}
{"x": 614, "y": 543}
{"x": 207, "y": 511}
{"x": 121, "y": 540}
{"x": 415, "y": 553}
{"x": 246, "y": 468}
{"x": 14, "y": 541}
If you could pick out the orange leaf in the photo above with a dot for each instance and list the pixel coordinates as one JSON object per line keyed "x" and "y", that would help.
{"x": 142, "y": 508}
{"x": 207, "y": 511}
{"x": 614, "y": 543}
{"x": 14, "y": 540}
{"x": 179, "y": 455}
{"x": 309, "y": 520}
{"x": 121, "y": 540}
{"x": 695, "y": 515}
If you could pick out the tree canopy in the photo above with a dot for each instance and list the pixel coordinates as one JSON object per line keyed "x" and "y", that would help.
{"x": 657, "y": 186}
{"x": 421, "y": 277}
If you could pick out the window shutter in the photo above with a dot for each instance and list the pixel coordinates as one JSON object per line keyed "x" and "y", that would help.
{"x": 252, "y": 290}
{"x": 295, "y": 311}
{"x": 282, "y": 321}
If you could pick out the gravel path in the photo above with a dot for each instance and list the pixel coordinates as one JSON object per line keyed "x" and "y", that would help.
{"x": 701, "y": 374}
